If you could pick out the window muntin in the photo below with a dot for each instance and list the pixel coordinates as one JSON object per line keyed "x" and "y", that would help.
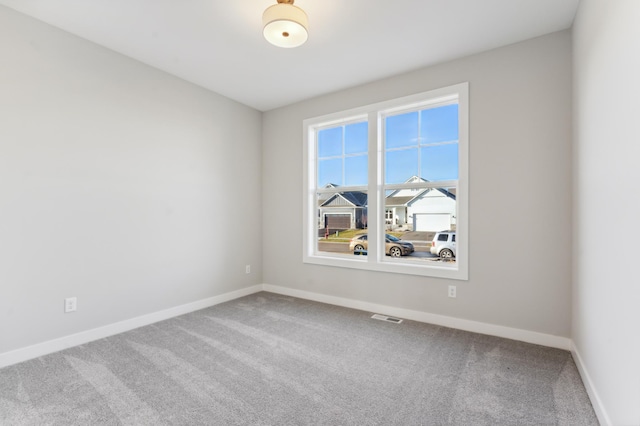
{"x": 416, "y": 155}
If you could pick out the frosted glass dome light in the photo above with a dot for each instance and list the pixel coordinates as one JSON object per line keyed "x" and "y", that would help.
{"x": 285, "y": 25}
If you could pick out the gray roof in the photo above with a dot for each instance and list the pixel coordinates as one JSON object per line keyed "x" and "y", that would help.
{"x": 360, "y": 199}
{"x": 399, "y": 201}
{"x": 354, "y": 198}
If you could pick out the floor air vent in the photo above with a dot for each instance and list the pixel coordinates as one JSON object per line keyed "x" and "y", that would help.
{"x": 386, "y": 318}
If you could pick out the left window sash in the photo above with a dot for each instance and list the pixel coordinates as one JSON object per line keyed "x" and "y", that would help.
{"x": 337, "y": 191}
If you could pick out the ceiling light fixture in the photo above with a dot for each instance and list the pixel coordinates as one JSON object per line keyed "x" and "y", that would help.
{"x": 285, "y": 25}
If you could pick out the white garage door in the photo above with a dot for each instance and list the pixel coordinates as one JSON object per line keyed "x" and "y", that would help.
{"x": 431, "y": 222}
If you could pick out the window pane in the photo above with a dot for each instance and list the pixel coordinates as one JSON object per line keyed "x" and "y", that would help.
{"x": 356, "y": 170}
{"x": 343, "y": 154}
{"x": 439, "y": 124}
{"x": 439, "y": 162}
{"x": 415, "y": 217}
{"x": 436, "y": 129}
{"x": 330, "y": 142}
{"x": 401, "y": 165}
{"x": 356, "y": 138}
{"x": 401, "y": 130}
{"x": 330, "y": 171}
{"x": 342, "y": 223}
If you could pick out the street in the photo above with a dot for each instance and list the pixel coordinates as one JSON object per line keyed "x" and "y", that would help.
{"x": 421, "y": 247}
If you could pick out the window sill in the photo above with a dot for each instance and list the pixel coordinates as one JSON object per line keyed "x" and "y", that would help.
{"x": 394, "y": 266}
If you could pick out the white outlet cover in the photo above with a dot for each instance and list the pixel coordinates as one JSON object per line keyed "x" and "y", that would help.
{"x": 70, "y": 304}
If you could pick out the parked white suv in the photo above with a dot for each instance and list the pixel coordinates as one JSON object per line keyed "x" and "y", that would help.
{"x": 444, "y": 244}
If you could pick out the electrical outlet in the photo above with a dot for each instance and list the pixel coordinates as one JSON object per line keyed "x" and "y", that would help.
{"x": 247, "y": 269}
{"x": 70, "y": 304}
{"x": 452, "y": 291}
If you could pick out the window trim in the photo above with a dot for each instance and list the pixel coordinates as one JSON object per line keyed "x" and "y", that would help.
{"x": 374, "y": 114}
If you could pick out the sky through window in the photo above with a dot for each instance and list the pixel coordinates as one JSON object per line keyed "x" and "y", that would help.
{"x": 418, "y": 143}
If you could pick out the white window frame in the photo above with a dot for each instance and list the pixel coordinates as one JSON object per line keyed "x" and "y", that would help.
{"x": 375, "y": 259}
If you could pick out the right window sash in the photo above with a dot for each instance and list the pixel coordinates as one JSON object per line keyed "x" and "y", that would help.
{"x": 422, "y": 175}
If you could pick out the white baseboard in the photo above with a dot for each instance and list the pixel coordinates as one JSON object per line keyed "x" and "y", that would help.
{"x": 596, "y": 402}
{"x": 40, "y": 349}
{"x": 445, "y": 321}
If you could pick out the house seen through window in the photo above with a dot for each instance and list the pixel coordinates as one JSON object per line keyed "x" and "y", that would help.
{"x": 386, "y": 186}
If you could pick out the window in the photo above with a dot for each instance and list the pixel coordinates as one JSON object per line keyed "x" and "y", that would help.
{"x": 383, "y": 183}
{"x": 388, "y": 216}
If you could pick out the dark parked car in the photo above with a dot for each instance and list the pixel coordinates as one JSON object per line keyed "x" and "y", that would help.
{"x": 394, "y": 246}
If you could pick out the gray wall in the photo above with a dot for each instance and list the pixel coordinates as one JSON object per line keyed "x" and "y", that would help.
{"x": 520, "y": 196}
{"x": 119, "y": 184}
{"x": 606, "y": 290}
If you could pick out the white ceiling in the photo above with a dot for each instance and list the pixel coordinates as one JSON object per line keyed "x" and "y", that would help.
{"x": 218, "y": 44}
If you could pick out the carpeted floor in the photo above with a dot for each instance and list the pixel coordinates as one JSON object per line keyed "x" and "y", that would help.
{"x": 267, "y": 359}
